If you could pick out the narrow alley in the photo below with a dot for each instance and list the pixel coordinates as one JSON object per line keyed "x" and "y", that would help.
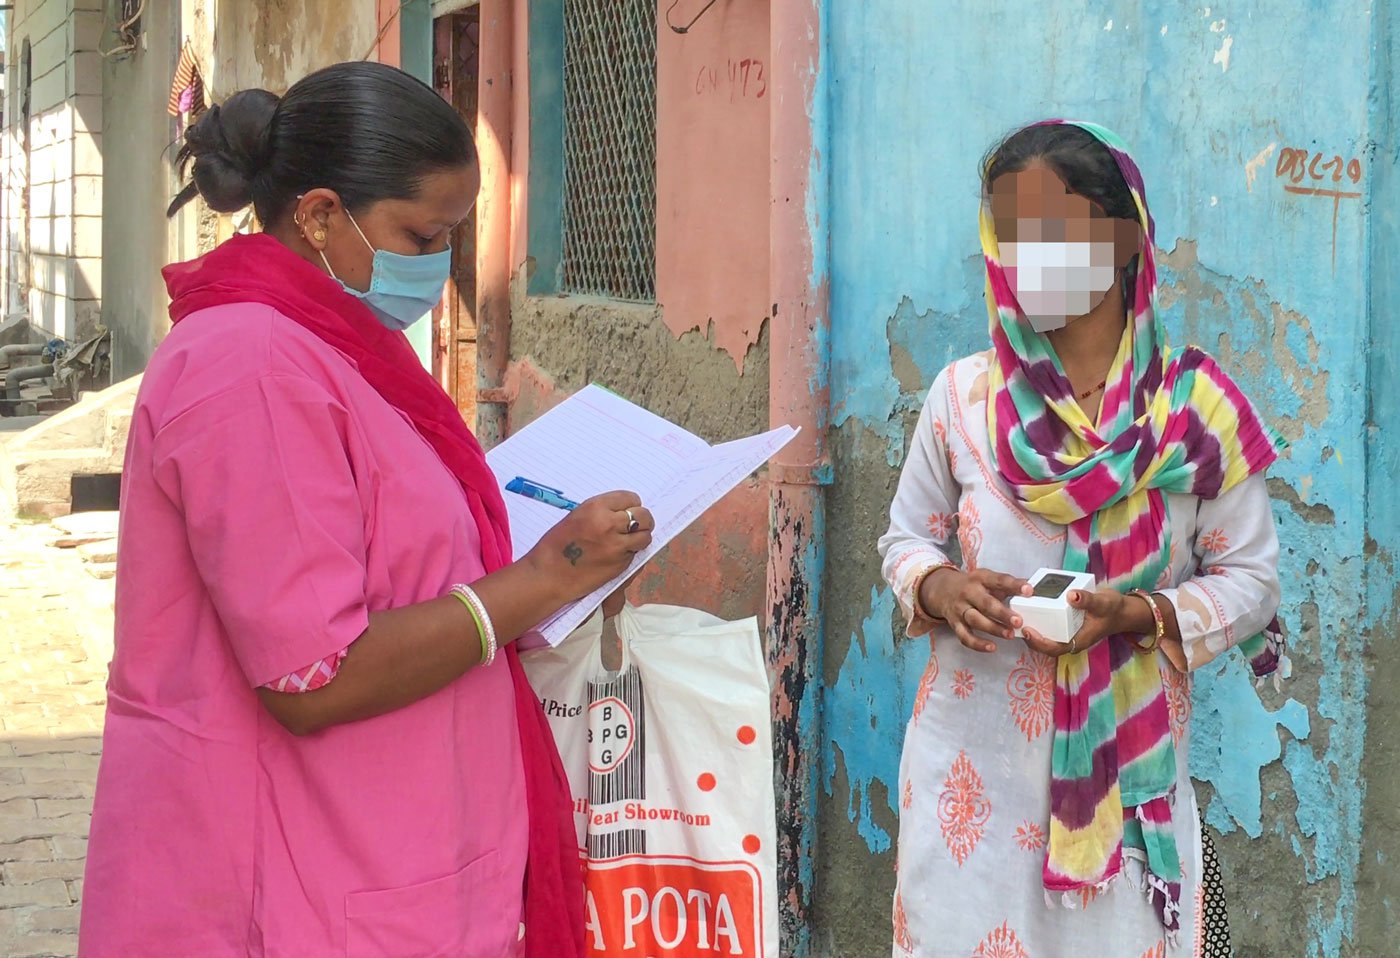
{"x": 51, "y": 702}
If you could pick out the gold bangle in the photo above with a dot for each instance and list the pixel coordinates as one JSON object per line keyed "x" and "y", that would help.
{"x": 919, "y": 609}
{"x": 1157, "y": 620}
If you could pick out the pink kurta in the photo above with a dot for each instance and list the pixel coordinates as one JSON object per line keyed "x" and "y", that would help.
{"x": 271, "y": 500}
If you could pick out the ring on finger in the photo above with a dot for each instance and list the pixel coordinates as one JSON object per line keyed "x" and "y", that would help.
{"x": 632, "y": 524}
{"x": 962, "y": 616}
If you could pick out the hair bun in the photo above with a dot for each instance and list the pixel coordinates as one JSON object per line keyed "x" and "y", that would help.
{"x": 228, "y": 146}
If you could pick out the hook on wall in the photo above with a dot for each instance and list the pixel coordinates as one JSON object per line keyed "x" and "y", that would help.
{"x": 694, "y": 20}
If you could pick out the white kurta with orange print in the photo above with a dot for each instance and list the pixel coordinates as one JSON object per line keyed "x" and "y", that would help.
{"x": 975, "y": 772}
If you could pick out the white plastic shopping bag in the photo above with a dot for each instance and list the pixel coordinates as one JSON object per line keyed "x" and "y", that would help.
{"x": 670, "y": 765}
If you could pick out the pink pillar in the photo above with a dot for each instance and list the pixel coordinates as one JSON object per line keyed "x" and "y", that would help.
{"x": 798, "y": 395}
{"x": 387, "y": 49}
{"x": 493, "y": 217}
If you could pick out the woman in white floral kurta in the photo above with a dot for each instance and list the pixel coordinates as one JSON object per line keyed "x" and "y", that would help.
{"x": 975, "y": 772}
{"x": 973, "y": 779}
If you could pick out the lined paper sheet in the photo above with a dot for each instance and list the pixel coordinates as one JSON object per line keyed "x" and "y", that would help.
{"x": 596, "y": 442}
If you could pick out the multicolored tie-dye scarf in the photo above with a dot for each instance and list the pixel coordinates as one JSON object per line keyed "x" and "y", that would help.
{"x": 1171, "y": 421}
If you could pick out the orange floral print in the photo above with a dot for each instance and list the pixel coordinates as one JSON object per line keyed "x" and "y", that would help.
{"x": 1178, "y": 689}
{"x": 969, "y": 533}
{"x": 902, "y": 940}
{"x": 1001, "y": 943}
{"x": 940, "y": 432}
{"x": 930, "y": 676}
{"x": 963, "y": 809}
{"x": 1031, "y": 687}
{"x": 964, "y": 683}
{"x": 1030, "y": 837}
{"x": 940, "y": 526}
{"x": 1214, "y": 542}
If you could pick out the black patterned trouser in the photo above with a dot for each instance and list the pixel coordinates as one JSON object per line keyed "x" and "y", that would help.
{"x": 1215, "y": 920}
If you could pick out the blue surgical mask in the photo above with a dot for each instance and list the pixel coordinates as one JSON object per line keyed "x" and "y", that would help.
{"x": 402, "y": 289}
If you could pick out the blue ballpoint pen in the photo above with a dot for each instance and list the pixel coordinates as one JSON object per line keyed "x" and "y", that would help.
{"x": 533, "y": 490}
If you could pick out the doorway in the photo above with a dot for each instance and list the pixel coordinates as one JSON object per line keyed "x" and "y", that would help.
{"x": 456, "y": 46}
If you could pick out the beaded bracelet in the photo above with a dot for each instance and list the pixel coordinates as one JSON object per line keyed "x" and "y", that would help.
{"x": 1157, "y": 620}
{"x": 484, "y": 628}
{"x": 476, "y": 618}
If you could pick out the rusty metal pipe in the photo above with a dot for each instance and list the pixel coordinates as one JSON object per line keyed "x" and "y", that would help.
{"x": 799, "y": 394}
{"x": 493, "y": 218}
{"x": 20, "y": 349}
{"x": 14, "y": 378}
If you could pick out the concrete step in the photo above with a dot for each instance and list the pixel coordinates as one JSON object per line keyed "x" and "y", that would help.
{"x": 11, "y": 426}
{"x": 88, "y": 526}
{"x": 24, "y": 455}
{"x": 37, "y": 465}
{"x": 118, "y": 426}
{"x": 102, "y": 570}
{"x": 100, "y": 552}
{"x": 84, "y": 424}
{"x": 43, "y": 482}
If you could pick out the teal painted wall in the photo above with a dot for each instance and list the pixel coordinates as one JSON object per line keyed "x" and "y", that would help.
{"x": 545, "y": 224}
{"x": 1378, "y": 899}
{"x": 1225, "y": 107}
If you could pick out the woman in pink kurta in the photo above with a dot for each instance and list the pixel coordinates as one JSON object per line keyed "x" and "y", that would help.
{"x": 311, "y": 748}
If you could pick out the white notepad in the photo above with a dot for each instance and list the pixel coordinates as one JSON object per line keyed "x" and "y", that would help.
{"x": 596, "y": 442}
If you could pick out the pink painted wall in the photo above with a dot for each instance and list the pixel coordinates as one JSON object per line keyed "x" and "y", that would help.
{"x": 712, "y": 171}
{"x": 711, "y": 262}
{"x": 386, "y": 16}
{"x": 717, "y": 564}
{"x": 520, "y": 131}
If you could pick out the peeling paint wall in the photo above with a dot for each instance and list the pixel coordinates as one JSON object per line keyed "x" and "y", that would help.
{"x": 272, "y": 44}
{"x": 560, "y": 345}
{"x": 238, "y": 45}
{"x": 139, "y": 145}
{"x": 1264, "y": 139}
{"x": 711, "y": 141}
{"x": 699, "y": 356}
{"x": 712, "y": 167}
{"x": 1378, "y": 899}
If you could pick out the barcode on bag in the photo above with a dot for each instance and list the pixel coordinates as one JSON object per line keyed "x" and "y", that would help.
{"x": 617, "y": 740}
{"x": 628, "y": 841}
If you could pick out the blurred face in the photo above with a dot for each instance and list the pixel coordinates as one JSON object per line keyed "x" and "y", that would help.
{"x": 1061, "y": 251}
{"x": 411, "y": 227}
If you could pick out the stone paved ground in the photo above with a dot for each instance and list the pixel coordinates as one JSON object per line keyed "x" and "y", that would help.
{"x": 51, "y": 708}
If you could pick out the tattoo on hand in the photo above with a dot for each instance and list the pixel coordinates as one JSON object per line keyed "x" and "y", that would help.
{"x": 573, "y": 553}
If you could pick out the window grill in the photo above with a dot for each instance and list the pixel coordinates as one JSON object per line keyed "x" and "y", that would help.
{"x": 610, "y": 148}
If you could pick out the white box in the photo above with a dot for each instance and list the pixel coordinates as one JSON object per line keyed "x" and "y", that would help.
{"x": 1048, "y": 611}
